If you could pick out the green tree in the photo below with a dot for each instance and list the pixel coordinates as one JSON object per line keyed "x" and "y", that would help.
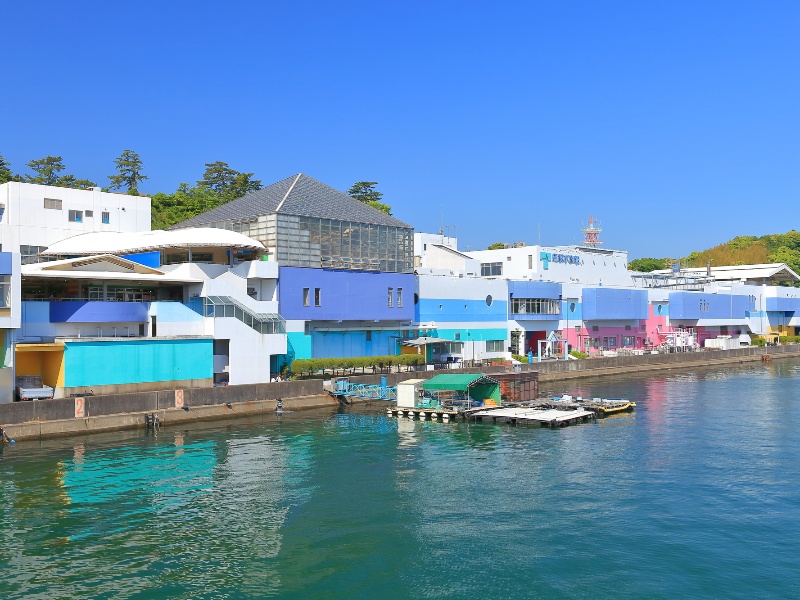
{"x": 645, "y": 265}
{"x": 186, "y": 202}
{"x": 364, "y": 191}
{"x": 786, "y": 255}
{"x": 129, "y": 172}
{"x": 242, "y": 185}
{"x": 46, "y": 170}
{"x": 228, "y": 183}
{"x": 496, "y": 246}
{"x": 5, "y": 171}
{"x": 69, "y": 181}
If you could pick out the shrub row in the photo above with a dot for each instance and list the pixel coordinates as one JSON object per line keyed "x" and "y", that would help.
{"x": 312, "y": 365}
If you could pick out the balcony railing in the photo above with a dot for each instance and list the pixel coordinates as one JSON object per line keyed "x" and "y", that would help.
{"x": 225, "y": 306}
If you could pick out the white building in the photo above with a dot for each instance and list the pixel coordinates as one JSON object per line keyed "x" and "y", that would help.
{"x": 32, "y": 217}
{"x": 565, "y": 264}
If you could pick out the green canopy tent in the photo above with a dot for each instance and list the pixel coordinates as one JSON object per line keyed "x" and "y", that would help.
{"x": 474, "y": 385}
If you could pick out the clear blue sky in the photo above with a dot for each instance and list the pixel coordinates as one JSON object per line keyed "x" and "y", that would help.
{"x": 677, "y": 124}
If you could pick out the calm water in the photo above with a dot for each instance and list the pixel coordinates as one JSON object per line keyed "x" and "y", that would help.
{"x": 695, "y": 495}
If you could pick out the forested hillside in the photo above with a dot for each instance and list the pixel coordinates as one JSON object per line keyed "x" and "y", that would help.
{"x": 741, "y": 250}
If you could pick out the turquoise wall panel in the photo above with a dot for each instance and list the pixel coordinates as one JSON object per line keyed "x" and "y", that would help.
{"x": 470, "y": 335}
{"x": 300, "y": 344}
{"x": 453, "y": 311}
{"x": 347, "y": 344}
{"x": 136, "y": 361}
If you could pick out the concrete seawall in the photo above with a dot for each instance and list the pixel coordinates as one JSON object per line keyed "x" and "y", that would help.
{"x": 70, "y": 416}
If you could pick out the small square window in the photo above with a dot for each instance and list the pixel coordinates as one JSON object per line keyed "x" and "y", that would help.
{"x": 89, "y": 213}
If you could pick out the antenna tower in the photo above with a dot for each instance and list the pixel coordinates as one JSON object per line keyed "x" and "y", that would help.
{"x": 591, "y": 233}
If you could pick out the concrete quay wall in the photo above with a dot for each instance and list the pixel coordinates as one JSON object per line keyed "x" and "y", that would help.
{"x": 574, "y": 369}
{"x": 70, "y": 416}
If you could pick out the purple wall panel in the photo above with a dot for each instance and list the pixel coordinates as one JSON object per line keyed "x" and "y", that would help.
{"x": 345, "y": 295}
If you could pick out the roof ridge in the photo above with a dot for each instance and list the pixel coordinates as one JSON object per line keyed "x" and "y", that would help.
{"x": 289, "y": 191}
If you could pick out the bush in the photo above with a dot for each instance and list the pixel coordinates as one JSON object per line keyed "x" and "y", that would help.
{"x": 577, "y": 354}
{"x": 313, "y": 365}
{"x": 758, "y": 341}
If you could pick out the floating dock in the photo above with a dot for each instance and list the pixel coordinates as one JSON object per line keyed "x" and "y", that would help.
{"x": 445, "y": 414}
{"x": 546, "y": 417}
{"x": 546, "y": 412}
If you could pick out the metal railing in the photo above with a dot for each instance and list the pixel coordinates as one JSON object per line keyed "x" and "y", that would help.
{"x": 225, "y": 306}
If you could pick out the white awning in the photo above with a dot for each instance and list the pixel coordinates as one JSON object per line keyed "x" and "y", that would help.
{"x": 107, "y": 242}
{"x": 424, "y": 341}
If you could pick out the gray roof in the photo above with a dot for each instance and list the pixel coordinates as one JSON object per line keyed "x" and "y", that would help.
{"x": 298, "y": 195}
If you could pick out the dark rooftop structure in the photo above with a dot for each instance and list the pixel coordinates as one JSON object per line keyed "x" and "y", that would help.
{"x": 305, "y": 223}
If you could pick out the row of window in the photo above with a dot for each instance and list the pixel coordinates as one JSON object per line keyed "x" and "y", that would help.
{"x": 535, "y": 306}
{"x": 393, "y": 300}
{"x": 317, "y": 296}
{"x": 75, "y": 216}
{"x": 610, "y": 342}
{"x": 399, "y": 297}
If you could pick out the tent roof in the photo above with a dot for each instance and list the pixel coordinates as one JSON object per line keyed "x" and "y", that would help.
{"x": 107, "y": 242}
{"x": 456, "y": 381}
{"x": 423, "y": 341}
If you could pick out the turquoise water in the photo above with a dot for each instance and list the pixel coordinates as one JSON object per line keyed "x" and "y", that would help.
{"x": 695, "y": 495}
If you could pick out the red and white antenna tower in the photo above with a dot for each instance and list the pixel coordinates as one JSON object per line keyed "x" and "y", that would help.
{"x": 591, "y": 233}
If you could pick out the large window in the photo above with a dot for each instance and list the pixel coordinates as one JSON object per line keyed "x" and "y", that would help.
{"x": 535, "y": 306}
{"x": 106, "y": 218}
{"x": 30, "y": 254}
{"x": 76, "y": 216}
{"x": 494, "y": 269}
{"x": 495, "y": 345}
{"x": 52, "y": 203}
{"x": 5, "y": 291}
{"x": 628, "y": 341}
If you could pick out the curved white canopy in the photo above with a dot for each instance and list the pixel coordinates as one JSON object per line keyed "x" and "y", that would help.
{"x": 106, "y": 242}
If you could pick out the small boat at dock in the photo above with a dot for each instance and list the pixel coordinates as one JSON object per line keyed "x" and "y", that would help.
{"x": 602, "y": 407}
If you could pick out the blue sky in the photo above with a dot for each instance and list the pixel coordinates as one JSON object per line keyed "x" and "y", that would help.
{"x": 676, "y": 124}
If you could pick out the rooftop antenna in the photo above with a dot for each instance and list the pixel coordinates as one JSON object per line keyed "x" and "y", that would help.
{"x": 591, "y": 233}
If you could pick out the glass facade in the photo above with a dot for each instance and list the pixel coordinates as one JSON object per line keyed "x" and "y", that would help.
{"x": 313, "y": 242}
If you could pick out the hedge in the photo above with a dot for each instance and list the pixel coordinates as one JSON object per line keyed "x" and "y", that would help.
{"x": 312, "y": 365}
